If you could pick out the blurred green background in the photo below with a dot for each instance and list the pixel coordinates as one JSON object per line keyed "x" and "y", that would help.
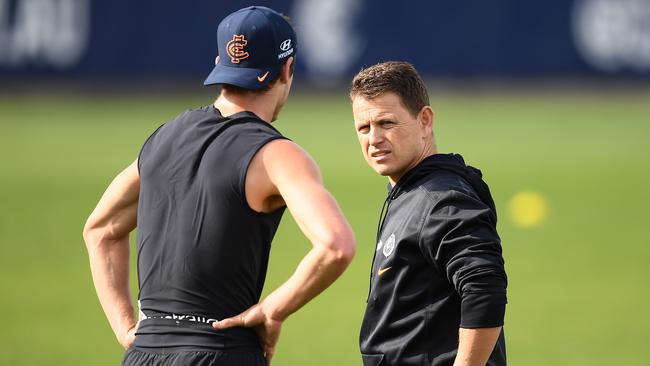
{"x": 578, "y": 282}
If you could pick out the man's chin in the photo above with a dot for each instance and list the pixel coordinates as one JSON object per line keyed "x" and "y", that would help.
{"x": 382, "y": 170}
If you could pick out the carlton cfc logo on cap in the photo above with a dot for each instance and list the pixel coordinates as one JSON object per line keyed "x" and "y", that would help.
{"x": 235, "y": 48}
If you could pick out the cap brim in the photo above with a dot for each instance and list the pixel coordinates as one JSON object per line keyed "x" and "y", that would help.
{"x": 247, "y": 78}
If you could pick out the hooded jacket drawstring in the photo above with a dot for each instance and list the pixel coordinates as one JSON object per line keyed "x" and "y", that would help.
{"x": 380, "y": 224}
{"x": 382, "y": 217}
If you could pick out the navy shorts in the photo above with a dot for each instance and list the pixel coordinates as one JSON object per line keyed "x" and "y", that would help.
{"x": 165, "y": 357}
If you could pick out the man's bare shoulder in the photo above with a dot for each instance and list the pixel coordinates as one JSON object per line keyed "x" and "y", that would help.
{"x": 285, "y": 156}
{"x": 277, "y": 167}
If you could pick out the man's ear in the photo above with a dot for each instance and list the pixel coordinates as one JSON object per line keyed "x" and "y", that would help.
{"x": 426, "y": 117}
{"x": 285, "y": 72}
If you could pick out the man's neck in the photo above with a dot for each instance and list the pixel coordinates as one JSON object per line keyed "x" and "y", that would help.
{"x": 263, "y": 105}
{"x": 430, "y": 149}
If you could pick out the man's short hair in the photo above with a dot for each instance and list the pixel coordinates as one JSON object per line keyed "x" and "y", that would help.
{"x": 398, "y": 77}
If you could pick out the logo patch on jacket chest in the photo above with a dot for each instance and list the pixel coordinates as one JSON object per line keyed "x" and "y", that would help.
{"x": 389, "y": 246}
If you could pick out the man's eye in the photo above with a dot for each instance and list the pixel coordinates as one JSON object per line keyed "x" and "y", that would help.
{"x": 363, "y": 129}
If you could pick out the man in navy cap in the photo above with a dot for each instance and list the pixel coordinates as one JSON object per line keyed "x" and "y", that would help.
{"x": 206, "y": 194}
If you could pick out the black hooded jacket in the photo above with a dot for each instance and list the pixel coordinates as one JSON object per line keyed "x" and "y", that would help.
{"x": 438, "y": 266}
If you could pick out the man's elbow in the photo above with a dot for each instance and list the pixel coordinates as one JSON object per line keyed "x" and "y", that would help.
{"x": 346, "y": 250}
{"x": 341, "y": 249}
{"x": 89, "y": 235}
{"x": 93, "y": 234}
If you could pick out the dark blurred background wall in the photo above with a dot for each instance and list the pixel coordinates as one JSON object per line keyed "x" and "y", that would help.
{"x": 147, "y": 39}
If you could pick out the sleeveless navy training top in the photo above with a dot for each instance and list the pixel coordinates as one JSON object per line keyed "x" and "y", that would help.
{"x": 202, "y": 251}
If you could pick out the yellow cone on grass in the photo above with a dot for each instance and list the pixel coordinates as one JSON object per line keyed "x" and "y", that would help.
{"x": 527, "y": 209}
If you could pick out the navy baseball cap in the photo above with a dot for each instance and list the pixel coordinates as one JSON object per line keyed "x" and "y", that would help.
{"x": 254, "y": 43}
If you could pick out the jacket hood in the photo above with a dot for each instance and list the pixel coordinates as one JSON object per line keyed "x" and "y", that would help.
{"x": 449, "y": 162}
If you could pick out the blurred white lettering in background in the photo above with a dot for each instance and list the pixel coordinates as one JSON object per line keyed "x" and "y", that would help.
{"x": 43, "y": 33}
{"x": 613, "y": 35}
{"x": 326, "y": 37}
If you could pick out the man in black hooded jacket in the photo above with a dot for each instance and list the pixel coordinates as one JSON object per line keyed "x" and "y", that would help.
{"x": 438, "y": 284}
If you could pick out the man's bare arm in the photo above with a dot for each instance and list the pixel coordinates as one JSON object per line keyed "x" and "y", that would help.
{"x": 299, "y": 183}
{"x": 476, "y": 345}
{"x": 106, "y": 234}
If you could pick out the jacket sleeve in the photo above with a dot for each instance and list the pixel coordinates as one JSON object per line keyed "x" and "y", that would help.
{"x": 459, "y": 237}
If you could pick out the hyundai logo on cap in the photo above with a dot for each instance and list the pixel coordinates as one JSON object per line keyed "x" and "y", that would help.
{"x": 253, "y": 44}
{"x": 284, "y": 46}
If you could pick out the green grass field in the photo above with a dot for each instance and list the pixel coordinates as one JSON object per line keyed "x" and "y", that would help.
{"x": 578, "y": 291}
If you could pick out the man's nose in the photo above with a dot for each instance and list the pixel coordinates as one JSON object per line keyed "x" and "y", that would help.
{"x": 375, "y": 136}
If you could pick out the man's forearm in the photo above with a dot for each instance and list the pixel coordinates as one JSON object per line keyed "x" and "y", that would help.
{"x": 476, "y": 345}
{"x": 318, "y": 270}
{"x": 109, "y": 263}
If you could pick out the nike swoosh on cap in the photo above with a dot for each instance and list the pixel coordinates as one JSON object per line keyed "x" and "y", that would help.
{"x": 263, "y": 77}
